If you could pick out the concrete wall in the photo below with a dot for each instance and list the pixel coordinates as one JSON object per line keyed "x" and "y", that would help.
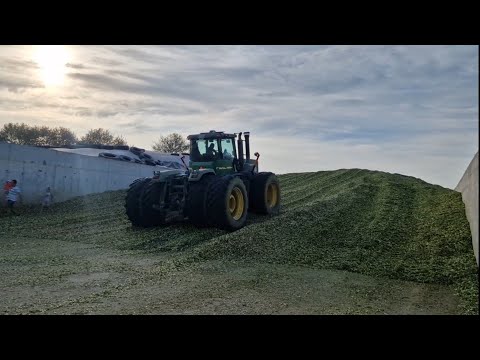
{"x": 67, "y": 174}
{"x": 468, "y": 186}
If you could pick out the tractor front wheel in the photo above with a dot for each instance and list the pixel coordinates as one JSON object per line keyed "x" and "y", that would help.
{"x": 197, "y": 201}
{"x": 150, "y": 214}
{"x": 141, "y": 197}
{"x": 132, "y": 200}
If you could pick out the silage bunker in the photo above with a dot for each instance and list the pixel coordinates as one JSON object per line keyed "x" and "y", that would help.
{"x": 368, "y": 222}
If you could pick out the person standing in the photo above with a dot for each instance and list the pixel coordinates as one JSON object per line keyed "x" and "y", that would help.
{"x": 47, "y": 199}
{"x": 6, "y": 188}
{"x": 13, "y": 196}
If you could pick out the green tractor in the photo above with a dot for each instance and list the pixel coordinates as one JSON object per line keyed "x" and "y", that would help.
{"x": 217, "y": 189}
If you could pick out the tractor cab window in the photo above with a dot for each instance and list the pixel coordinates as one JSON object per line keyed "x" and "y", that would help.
{"x": 228, "y": 150}
{"x": 197, "y": 148}
{"x": 204, "y": 150}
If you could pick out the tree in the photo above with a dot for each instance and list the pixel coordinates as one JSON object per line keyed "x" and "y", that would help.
{"x": 119, "y": 140}
{"x": 102, "y": 136}
{"x": 173, "y": 143}
{"x": 21, "y": 134}
{"x": 61, "y": 136}
{"x": 24, "y": 134}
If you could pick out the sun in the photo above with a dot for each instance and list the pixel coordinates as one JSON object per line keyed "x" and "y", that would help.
{"x": 52, "y": 60}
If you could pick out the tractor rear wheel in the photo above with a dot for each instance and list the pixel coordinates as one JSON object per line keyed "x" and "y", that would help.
{"x": 227, "y": 203}
{"x": 265, "y": 193}
{"x": 197, "y": 201}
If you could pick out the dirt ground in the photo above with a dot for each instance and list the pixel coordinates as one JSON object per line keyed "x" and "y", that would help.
{"x": 43, "y": 276}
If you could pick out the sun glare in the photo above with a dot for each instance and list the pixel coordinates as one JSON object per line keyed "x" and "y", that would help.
{"x": 51, "y": 60}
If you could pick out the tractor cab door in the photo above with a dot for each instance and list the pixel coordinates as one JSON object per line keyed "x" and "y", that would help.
{"x": 227, "y": 155}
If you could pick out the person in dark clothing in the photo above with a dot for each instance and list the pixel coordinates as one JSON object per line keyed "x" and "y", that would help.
{"x": 211, "y": 152}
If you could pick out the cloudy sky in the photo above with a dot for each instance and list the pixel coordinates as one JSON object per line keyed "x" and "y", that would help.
{"x": 403, "y": 109}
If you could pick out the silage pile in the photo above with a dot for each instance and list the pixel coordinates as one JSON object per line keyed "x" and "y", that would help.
{"x": 363, "y": 221}
{"x": 369, "y": 222}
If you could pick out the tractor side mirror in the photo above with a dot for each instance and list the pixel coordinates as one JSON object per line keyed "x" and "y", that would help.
{"x": 256, "y": 161}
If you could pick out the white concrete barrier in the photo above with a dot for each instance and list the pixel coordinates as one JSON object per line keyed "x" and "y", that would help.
{"x": 67, "y": 174}
{"x": 468, "y": 186}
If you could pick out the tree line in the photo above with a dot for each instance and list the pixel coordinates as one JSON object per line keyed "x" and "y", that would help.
{"x": 23, "y": 134}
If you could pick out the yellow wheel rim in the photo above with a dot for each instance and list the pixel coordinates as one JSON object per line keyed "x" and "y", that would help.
{"x": 272, "y": 195}
{"x": 236, "y": 203}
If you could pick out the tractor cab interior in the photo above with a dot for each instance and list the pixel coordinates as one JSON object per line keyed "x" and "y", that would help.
{"x": 203, "y": 150}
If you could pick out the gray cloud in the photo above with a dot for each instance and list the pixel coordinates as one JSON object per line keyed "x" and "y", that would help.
{"x": 14, "y": 65}
{"x": 106, "y": 113}
{"x": 19, "y": 85}
{"x": 105, "y": 61}
{"x": 140, "y": 55}
{"x": 82, "y": 112}
{"x": 138, "y": 126}
{"x": 349, "y": 102}
{"x": 15, "y": 75}
{"x": 128, "y": 74}
{"x": 75, "y": 66}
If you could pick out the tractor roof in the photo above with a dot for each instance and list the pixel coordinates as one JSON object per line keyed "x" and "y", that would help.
{"x": 212, "y": 134}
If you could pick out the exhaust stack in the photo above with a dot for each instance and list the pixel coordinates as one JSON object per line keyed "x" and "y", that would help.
{"x": 247, "y": 145}
{"x": 240, "y": 150}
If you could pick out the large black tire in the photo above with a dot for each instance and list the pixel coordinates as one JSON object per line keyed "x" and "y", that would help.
{"x": 136, "y": 151}
{"x": 125, "y": 158}
{"x": 265, "y": 193}
{"x": 222, "y": 193}
{"x": 149, "y": 162}
{"x": 145, "y": 156}
{"x": 137, "y": 181}
{"x": 85, "y": 146}
{"x": 197, "y": 201}
{"x": 141, "y": 196}
{"x": 149, "y": 197}
{"x": 107, "y": 155}
{"x": 132, "y": 200}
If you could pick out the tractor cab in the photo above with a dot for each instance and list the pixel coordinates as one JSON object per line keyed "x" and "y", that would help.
{"x": 216, "y": 150}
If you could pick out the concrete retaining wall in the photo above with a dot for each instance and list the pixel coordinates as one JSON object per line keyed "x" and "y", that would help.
{"x": 67, "y": 174}
{"x": 468, "y": 186}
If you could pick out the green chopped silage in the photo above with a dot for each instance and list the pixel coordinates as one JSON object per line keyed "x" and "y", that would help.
{"x": 369, "y": 222}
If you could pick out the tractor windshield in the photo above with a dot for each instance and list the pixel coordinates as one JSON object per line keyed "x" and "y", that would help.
{"x": 228, "y": 149}
{"x": 204, "y": 150}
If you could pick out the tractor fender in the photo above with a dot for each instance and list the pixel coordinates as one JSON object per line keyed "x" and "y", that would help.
{"x": 197, "y": 175}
